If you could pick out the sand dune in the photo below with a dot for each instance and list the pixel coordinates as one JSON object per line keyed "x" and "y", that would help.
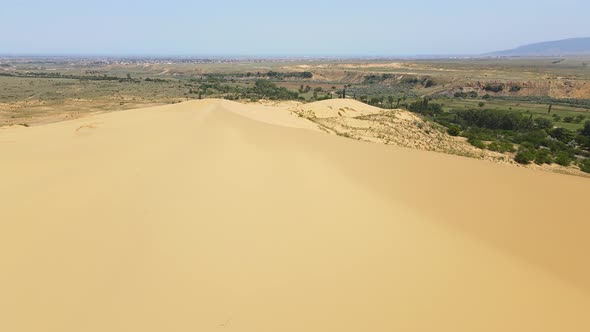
{"x": 332, "y": 108}
{"x": 355, "y": 119}
{"x": 212, "y": 215}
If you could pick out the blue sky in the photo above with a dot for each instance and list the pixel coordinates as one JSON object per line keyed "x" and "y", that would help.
{"x": 297, "y": 27}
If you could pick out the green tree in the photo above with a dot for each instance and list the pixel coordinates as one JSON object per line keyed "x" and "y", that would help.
{"x": 585, "y": 165}
{"x": 524, "y": 155}
{"x": 543, "y": 156}
{"x": 543, "y": 123}
{"x": 563, "y": 158}
{"x": 454, "y": 131}
{"x": 562, "y": 134}
{"x": 390, "y": 100}
{"x": 477, "y": 143}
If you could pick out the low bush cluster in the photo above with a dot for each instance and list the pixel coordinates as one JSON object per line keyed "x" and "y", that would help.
{"x": 538, "y": 139}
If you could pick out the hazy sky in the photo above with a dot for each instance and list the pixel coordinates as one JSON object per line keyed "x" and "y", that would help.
{"x": 296, "y": 27}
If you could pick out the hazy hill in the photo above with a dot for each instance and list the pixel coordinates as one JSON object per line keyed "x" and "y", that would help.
{"x": 573, "y": 46}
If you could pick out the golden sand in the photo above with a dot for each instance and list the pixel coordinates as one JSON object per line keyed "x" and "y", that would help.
{"x": 212, "y": 215}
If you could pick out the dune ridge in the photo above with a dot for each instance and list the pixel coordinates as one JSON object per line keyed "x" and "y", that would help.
{"x": 212, "y": 215}
{"x": 355, "y": 119}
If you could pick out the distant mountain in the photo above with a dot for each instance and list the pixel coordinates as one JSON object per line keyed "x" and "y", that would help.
{"x": 572, "y": 46}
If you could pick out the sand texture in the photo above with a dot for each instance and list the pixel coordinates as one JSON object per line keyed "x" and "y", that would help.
{"x": 212, "y": 215}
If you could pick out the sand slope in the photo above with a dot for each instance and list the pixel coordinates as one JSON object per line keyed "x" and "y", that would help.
{"x": 213, "y": 215}
{"x": 332, "y": 108}
{"x": 357, "y": 120}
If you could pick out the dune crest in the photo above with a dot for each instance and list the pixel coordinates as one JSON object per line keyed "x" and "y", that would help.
{"x": 211, "y": 215}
